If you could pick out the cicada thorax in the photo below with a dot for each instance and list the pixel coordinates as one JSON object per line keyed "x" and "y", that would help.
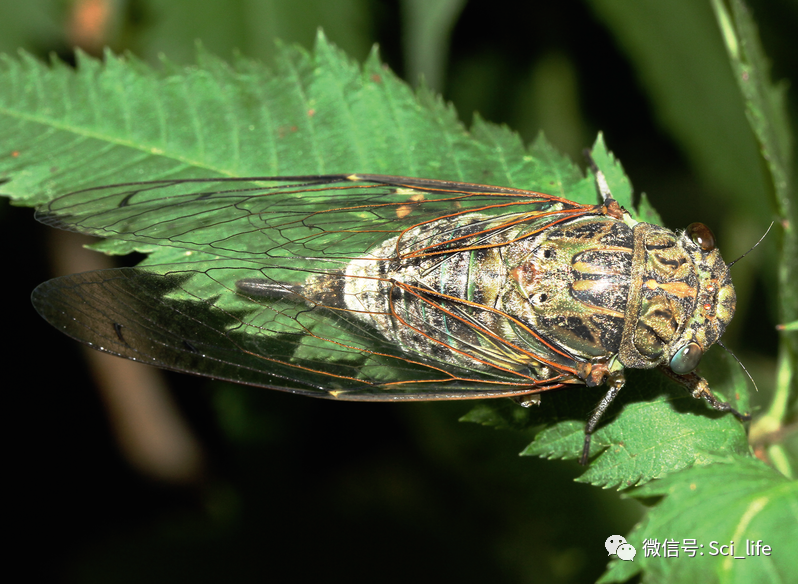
{"x": 572, "y": 281}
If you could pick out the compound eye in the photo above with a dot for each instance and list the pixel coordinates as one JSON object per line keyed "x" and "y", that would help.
{"x": 686, "y": 359}
{"x": 702, "y": 236}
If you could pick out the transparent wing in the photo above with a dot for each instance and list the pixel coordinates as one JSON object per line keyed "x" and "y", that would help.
{"x": 192, "y": 317}
{"x": 270, "y": 219}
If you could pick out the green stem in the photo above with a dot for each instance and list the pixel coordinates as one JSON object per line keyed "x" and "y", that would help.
{"x": 767, "y": 115}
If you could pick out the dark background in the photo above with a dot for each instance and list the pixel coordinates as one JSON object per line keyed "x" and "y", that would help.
{"x": 287, "y": 488}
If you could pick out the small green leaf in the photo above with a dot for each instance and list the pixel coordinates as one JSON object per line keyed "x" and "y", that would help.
{"x": 502, "y": 416}
{"x": 620, "y": 185}
{"x": 654, "y": 428}
{"x": 738, "y": 500}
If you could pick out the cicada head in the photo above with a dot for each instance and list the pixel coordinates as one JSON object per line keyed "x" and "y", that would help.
{"x": 681, "y": 299}
{"x": 715, "y": 300}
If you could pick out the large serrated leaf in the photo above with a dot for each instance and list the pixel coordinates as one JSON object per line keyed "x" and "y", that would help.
{"x": 122, "y": 121}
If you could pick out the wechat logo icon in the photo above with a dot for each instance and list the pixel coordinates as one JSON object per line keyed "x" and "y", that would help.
{"x": 616, "y": 545}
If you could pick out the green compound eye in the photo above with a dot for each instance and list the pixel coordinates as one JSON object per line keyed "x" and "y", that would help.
{"x": 686, "y": 359}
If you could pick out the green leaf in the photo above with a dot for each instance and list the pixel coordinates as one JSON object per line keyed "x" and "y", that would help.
{"x": 121, "y": 121}
{"x": 739, "y": 500}
{"x": 658, "y": 430}
{"x": 765, "y": 108}
{"x": 620, "y": 185}
{"x": 765, "y": 105}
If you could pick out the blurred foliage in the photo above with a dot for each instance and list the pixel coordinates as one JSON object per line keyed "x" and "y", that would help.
{"x": 391, "y": 492}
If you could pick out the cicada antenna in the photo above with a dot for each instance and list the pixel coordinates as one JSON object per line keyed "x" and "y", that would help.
{"x": 730, "y": 264}
{"x": 740, "y": 363}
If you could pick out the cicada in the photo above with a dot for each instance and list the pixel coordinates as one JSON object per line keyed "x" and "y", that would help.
{"x": 382, "y": 288}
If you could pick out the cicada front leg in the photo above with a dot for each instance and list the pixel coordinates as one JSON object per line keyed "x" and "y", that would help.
{"x": 699, "y": 389}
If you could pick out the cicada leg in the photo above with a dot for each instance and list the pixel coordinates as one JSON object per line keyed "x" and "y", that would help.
{"x": 527, "y": 400}
{"x": 699, "y": 389}
{"x": 615, "y": 381}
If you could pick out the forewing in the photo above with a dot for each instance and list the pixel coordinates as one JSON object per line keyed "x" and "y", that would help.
{"x": 267, "y": 220}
